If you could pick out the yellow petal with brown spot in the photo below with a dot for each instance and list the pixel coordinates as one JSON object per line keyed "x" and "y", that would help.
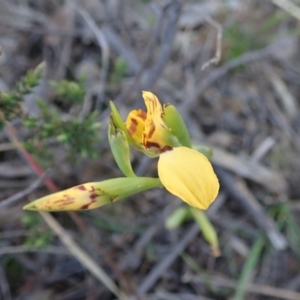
{"x": 188, "y": 175}
{"x": 156, "y": 133}
{"x": 135, "y": 124}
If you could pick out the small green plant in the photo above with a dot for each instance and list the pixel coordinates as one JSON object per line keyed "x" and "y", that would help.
{"x": 69, "y": 91}
{"x": 10, "y": 101}
{"x": 54, "y": 126}
{"x": 242, "y": 39}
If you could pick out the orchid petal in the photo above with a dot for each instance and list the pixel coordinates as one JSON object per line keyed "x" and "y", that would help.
{"x": 188, "y": 175}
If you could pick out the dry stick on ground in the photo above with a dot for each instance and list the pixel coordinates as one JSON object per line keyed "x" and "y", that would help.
{"x": 160, "y": 268}
{"x": 67, "y": 44}
{"x": 216, "y": 59}
{"x": 101, "y": 39}
{"x": 169, "y": 15}
{"x": 265, "y": 290}
{"x": 280, "y": 118}
{"x": 289, "y": 7}
{"x": 18, "y": 196}
{"x": 238, "y": 190}
{"x": 133, "y": 258}
{"x": 173, "y": 13}
{"x": 65, "y": 238}
{"x": 223, "y": 70}
{"x": 82, "y": 256}
{"x": 121, "y": 49}
{"x": 106, "y": 257}
{"x": 147, "y": 57}
{"x": 4, "y": 286}
{"x": 6, "y": 147}
{"x": 244, "y": 167}
{"x": 22, "y": 249}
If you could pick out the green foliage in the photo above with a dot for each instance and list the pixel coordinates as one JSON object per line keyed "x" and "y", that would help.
{"x": 10, "y": 101}
{"x": 39, "y": 236}
{"x": 69, "y": 91}
{"x": 242, "y": 39}
{"x": 75, "y": 134}
{"x": 239, "y": 41}
{"x": 81, "y": 135}
{"x": 249, "y": 267}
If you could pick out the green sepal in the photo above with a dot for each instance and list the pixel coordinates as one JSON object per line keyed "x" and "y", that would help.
{"x": 174, "y": 121}
{"x": 120, "y": 149}
{"x": 207, "y": 229}
{"x": 117, "y": 121}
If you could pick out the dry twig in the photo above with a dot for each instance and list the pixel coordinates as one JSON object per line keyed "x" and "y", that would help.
{"x": 166, "y": 261}
{"x": 18, "y": 196}
{"x": 101, "y": 39}
{"x": 237, "y": 189}
{"x": 216, "y": 59}
{"x": 259, "y": 289}
{"x": 82, "y": 256}
{"x": 289, "y": 6}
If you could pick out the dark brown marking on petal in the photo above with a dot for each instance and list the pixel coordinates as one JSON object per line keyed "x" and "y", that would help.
{"x": 132, "y": 126}
{"x": 65, "y": 203}
{"x": 112, "y": 198}
{"x": 64, "y": 199}
{"x": 134, "y": 121}
{"x": 86, "y": 206}
{"x": 93, "y": 196}
{"x": 151, "y": 131}
{"x": 81, "y": 188}
{"x": 165, "y": 149}
{"x": 149, "y": 145}
{"x": 142, "y": 114}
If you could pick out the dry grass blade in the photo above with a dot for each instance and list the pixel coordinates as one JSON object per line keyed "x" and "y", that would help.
{"x": 244, "y": 167}
{"x": 237, "y": 189}
{"x": 102, "y": 42}
{"x": 82, "y": 256}
{"x": 165, "y": 263}
{"x": 289, "y": 6}
{"x": 4, "y": 286}
{"x": 14, "y": 198}
{"x": 253, "y": 288}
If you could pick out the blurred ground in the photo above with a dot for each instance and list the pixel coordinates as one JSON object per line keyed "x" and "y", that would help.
{"x": 246, "y": 108}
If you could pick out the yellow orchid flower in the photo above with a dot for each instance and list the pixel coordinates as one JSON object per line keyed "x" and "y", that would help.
{"x": 160, "y": 131}
{"x": 183, "y": 171}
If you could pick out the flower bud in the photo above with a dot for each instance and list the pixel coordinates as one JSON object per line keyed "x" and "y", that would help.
{"x": 94, "y": 194}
